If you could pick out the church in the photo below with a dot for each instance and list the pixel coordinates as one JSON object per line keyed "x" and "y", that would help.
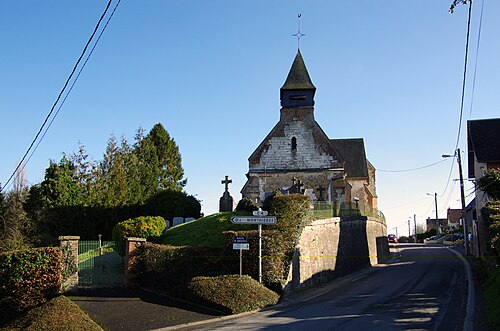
{"x": 298, "y": 157}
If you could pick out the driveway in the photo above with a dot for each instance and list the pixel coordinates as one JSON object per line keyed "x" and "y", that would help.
{"x": 123, "y": 309}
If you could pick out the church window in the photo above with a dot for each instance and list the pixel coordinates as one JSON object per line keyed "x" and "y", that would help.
{"x": 294, "y": 144}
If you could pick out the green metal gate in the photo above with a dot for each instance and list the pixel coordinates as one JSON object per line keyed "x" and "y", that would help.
{"x": 99, "y": 264}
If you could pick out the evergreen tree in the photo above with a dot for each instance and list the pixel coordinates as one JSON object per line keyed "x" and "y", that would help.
{"x": 163, "y": 154}
{"x": 60, "y": 186}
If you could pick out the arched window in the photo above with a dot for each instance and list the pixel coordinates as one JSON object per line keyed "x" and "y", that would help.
{"x": 294, "y": 144}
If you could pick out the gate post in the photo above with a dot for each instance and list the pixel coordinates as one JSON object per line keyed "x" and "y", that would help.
{"x": 69, "y": 252}
{"x": 131, "y": 245}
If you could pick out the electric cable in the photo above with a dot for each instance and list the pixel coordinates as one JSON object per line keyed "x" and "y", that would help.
{"x": 58, "y": 96}
{"x": 477, "y": 55}
{"x": 75, "y": 80}
{"x": 413, "y": 169}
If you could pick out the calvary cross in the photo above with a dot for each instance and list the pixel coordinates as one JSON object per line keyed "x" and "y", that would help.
{"x": 226, "y": 181}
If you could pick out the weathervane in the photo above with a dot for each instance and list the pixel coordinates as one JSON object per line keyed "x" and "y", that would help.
{"x": 298, "y": 34}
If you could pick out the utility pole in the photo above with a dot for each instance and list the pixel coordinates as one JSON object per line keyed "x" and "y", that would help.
{"x": 437, "y": 218}
{"x": 415, "y": 220}
{"x": 409, "y": 235}
{"x": 464, "y": 222}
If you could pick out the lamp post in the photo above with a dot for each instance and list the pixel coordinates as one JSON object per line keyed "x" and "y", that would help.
{"x": 464, "y": 223}
{"x": 436, "y": 206}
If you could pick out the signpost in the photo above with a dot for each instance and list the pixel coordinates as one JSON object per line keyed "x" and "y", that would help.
{"x": 241, "y": 243}
{"x": 259, "y": 217}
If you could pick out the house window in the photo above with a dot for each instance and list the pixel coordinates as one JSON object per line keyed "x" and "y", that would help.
{"x": 294, "y": 144}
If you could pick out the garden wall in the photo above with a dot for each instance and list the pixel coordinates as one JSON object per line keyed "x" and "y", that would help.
{"x": 334, "y": 247}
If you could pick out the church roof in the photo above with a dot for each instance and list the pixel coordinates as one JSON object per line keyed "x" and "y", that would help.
{"x": 298, "y": 77}
{"x": 353, "y": 152}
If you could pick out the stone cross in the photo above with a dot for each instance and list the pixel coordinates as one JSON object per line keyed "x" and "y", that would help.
{"x": 321, "y": 189}
{"x": 226, "y": 181}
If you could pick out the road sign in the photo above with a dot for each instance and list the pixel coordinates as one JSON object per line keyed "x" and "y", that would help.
{"x": 253, "y": 219}
{"x": 242, "y": 246}
{"x": 260, "y": 213}
{"x": 240, "y": 239}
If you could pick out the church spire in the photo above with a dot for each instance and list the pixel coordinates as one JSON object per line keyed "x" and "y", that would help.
{"x": 298, "y": 90}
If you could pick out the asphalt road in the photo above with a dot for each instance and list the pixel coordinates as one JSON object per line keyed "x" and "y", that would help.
{"x": 424, "y": 288}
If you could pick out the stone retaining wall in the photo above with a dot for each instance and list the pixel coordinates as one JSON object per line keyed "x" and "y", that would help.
{"x": 334, "y": 247}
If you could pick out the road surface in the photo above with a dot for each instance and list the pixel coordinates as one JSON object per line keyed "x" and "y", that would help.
{"x": 423, "y": 288}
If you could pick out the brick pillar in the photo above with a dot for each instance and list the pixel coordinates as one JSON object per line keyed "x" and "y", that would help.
{"x": 69, "y": 250}
{"x": 131, "y": 245}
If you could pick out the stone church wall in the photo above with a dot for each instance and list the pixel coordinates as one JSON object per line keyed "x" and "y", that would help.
{"x": 333, "y": 247}
{"x": 280, "y": 155}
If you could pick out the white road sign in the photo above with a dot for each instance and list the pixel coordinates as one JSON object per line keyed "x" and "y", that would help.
{"x": 260, "y": 213}
{"x": 241, "y": 246}
{"x": 253, "y": 220}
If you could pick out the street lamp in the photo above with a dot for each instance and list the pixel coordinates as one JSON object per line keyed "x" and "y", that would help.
{"x": 464, "y": 225}
{"x": 436, "y": 206}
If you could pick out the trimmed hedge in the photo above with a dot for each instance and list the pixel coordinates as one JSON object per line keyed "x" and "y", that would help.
{"x": 231, "y": 294}
{"x": 28, "y": 278}
{"x": 143, "y": 227}
{"x": 165, "y": 267}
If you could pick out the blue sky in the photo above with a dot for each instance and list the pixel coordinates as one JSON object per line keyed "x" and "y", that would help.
{"x": 210, "y": 72}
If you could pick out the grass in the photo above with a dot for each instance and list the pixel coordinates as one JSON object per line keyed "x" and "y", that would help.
{"x": 206, "y": 231}
{"x": 57, "y": 314}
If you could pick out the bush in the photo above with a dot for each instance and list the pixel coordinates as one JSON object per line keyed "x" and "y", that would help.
{"x": 230, "y": 293}
{"x": 169, "y": 204}
{"x": 165, "y": 267}
{"x": 246, "y": 204}
{"x": 28, "y": 278}
{"x": 143, "y": 227}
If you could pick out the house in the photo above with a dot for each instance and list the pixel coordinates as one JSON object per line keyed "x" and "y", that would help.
{"x": 483, "y": 141}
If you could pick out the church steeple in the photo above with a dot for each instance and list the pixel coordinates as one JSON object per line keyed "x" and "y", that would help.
{"x": 298, "y": 90}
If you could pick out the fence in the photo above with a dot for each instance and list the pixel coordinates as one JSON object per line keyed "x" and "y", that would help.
{"x": 99, "y": 263}
{"x": 325, "y": 209}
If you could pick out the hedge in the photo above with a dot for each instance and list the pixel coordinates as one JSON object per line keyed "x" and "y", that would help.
{"x": 143, "y": 227}
{"x": 231, "y": 294}
{"x": 165, "y": 267}
{"x": 29, "y": 278}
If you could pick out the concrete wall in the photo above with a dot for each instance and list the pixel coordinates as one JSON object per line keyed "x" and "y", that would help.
{"x": 334, "y": 247}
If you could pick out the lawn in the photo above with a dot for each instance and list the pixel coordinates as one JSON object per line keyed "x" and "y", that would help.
{"x": 57, "y": 314}
{"x": 205, "y": 231}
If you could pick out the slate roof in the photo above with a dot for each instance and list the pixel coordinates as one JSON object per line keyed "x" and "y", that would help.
{"x": 298, "y": 77}
{"x": 484, "y": 138}
{"x": 353, "y": 152}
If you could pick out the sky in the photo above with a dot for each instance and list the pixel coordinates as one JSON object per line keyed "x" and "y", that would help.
{"x": 389, "y": 72}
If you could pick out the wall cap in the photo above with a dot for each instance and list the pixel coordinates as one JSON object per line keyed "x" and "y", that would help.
{"x": 135, "y": 239}
{"x": 69, "y": 237}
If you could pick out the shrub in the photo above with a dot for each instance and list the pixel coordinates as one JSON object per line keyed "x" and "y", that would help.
{"x": 230, "y": 293}
{"x": 29, "y": 278}
{"x": 165, "y": 267}
{"x": 246, "y": 204}
{"x": 169, "y": 204}
{"x": 143, "y": 227}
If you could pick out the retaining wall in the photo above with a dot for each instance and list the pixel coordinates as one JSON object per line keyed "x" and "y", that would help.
{"x": 334, "y": 247}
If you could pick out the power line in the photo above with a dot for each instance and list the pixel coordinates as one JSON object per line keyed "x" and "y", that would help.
{"x": 464, "y": 76}
{"x": 58, "y": 96}
{"x": 477, "y": 55}
{"x": 413, "y": 169}
{"x": 75, "y": 80}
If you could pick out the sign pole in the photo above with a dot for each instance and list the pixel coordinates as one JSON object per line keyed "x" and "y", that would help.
{"x": 241, "y": 260}
{"x": 260, "y": 253}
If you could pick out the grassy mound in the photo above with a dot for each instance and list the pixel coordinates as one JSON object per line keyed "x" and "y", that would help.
{"x": 206, "y": 231}
{"x": 57, "y": 314}
{"x": 230, "y": 293}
